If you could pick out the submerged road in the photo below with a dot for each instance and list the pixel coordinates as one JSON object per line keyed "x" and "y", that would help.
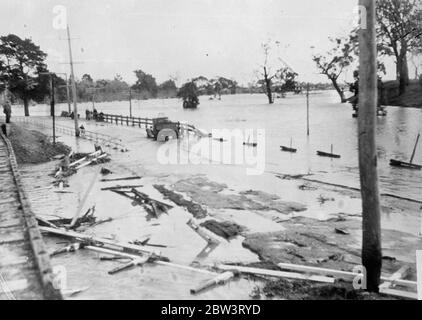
{"x": 25, "y": 270}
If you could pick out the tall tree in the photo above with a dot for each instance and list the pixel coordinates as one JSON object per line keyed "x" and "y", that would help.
{"x": 371, "y": 211}
{"x": 335, "y": 61}
{"x": 21, "y": 64}
{"x": 399, "y": 32}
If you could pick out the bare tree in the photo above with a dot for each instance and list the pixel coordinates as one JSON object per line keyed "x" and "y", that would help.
{"x": 275, "y": 73}
{"x": 334, "y": 62}
{"x": 371, "y": 224}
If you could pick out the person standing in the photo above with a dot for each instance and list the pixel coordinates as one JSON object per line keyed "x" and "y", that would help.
{"x": 7, "y": 110}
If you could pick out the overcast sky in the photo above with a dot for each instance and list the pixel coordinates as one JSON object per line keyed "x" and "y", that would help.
{"x": 186, "y": 38}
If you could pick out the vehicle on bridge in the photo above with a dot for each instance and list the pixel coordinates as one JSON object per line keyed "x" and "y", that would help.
{"x": 163, "y": 130}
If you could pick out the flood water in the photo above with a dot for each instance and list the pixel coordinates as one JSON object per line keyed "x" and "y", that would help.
{"x": 331, "y": 123}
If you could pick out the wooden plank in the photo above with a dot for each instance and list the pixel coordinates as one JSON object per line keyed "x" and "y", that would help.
{"x": 276, "y": 274}
{"x": 204, "y": 234}
{"x": 342, "y": 274}
{"x": 218, "y": 280}
{"x": 399, "y": 293}
{"x": 400, "y": 274}
{"x": 321, "y": 271}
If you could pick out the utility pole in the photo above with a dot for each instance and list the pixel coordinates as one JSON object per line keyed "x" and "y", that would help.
{"x": 52, "y": 102}
{"x": 371, "y": 211}
{"x": 307, "y": 108}
{"x": 72, "y": 77}
{"x": 130, "y": 101}
{"x": 68, "y": 95}
{"x": 67, "y": 91}
{"x": 53, "y": 107}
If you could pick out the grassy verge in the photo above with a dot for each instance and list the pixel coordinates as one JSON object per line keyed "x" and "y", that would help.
{"x": 33, "y": 147}
{"x": 411, "y": 99}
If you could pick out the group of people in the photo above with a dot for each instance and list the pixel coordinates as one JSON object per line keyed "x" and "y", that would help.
{"x": 354, "y": 87}
{"x": 94, "y": 115}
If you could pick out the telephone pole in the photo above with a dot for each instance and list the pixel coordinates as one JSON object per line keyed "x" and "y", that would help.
{"x": 371, "y": 211}
{"x": 72, "y": 78}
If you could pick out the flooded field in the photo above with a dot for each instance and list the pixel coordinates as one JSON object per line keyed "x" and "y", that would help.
{"x": 258, "y": 202}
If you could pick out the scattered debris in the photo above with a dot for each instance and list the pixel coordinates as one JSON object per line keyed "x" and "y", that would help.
{"x": 146, "y": 243}
{"x": 322, "y": 199}
{"x": 105, "y": 171}
{"x": 225, "y": 229}
{"x": 341, "y": 231}
{"x": 195, "y": 209}
{"x": 307, "y": 187}
{"x": 118, "y": 247}
{"x": 87, "y": 220}
{"x": 153, "y": 207}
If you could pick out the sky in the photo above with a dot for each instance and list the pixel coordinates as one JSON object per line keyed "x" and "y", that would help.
{"x": 180, "y": 38}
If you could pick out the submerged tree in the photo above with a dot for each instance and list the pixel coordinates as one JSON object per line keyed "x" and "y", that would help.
{"x": 334, "y": 62}
{"x": 145, "y": 82}
{"x": 189, "y": 93}
{"x": 399, "y": 32}
{"x": 21, "y": 64}
{"x": 275, "y": 73}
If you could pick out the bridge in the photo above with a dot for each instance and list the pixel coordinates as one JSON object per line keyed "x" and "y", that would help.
{"x": 25, "y": 269}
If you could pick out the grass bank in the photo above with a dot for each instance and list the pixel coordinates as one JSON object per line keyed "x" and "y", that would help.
{"x": 33, "y": 147}
{"x": 411, "y": 99}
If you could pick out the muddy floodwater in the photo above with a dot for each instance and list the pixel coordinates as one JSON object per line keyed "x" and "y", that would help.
{"x": 224, "y": 189}
{"x": 330, "y": 123}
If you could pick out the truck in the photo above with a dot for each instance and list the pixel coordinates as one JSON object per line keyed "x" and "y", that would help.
{"x": 163, "y": 130}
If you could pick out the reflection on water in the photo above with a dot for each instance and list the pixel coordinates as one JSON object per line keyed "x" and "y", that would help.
{"x": 331, "y": 123}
